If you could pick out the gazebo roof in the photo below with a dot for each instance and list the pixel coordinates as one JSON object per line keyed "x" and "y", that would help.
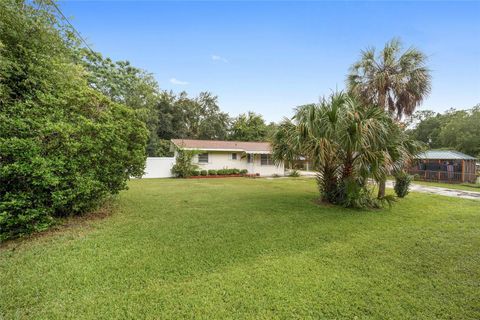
{"x": 444, "y": 155}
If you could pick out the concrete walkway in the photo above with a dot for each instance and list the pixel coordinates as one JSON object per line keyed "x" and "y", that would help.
{"x": 425, "y": 189}
{"x": 442, "y": 191}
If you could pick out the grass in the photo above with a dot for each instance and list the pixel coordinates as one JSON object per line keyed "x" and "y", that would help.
{"x": 250, "y": 248}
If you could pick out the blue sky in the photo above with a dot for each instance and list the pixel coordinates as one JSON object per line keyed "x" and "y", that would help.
{"x": 269, "y": 56}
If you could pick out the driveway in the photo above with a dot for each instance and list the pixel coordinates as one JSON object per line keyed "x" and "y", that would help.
{"x": 442, "y": 191}
{"x": 425, "y": 189}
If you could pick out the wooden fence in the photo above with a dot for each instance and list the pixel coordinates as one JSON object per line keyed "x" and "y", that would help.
{"x": 443, "y": 176}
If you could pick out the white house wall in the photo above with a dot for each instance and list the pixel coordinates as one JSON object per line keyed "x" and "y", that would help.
{"x": 223, "y": 160}
{"x": 158, "y": 167}
{"x": 161, "y": 167}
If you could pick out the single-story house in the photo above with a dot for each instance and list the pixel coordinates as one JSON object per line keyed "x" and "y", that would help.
{"x": 444, "y": 166}
{"x": 256, "y": 157}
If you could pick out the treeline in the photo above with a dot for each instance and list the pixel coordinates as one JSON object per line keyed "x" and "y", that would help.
{"x": 453, "y": 129}
{"x": 178, "y": 116}
{"x": 168, "y": 115}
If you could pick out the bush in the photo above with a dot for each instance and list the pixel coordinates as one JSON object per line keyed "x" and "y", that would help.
{"x": 243, "y": 171}
{"x": 203, "y": 172}
{"x": 294, "y": 173}
{"x": 235, "y": 171}
{"x": 183, "y": 166}
{"x": 402, "y": 184}
{"x": 195, "y": 173}
{"x": 212, "y": 172}
{"x": 221, "y": 172}
{"x": 64, "y": 147}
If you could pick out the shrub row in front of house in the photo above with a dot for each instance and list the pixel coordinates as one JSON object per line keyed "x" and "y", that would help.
{"x": 220, "y": 172}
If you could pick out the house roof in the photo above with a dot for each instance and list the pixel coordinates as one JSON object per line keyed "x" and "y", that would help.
{"x": 219, "y": 145}
{"x": 444, "y": 155}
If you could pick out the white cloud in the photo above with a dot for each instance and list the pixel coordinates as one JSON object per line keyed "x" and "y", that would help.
{"x": 218, "y": 58}
{"x": 178, "y": 82}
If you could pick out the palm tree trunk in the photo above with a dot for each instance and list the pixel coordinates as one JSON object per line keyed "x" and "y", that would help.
{"x": 381, "y": 188}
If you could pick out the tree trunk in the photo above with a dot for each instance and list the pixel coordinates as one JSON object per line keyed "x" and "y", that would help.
{"x": 381, "y": 188}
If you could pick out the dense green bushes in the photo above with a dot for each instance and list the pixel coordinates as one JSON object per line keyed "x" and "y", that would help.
{"x": 402, "y": 184}
{"x": 183, "y": 167}
{"x": 63, "y": 146}
{"x": 211, "y": 172}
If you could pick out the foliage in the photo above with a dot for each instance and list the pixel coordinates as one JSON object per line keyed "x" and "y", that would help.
{"x": 294, "y": 173}
{"x": 195, "y": 118}
{"x": 196, "y": 173}
{"x": 203, "y": 172}
{"x": 64, "y": 146}
{"x": 249, "y": 127}
{"x": 395, "y": 80}
{"x": 402, "y": 184}
{"x": 160, "y": 148}
{"x": 125, "y": 84}
{"x": 348, "y": 142}
{"x": 454, "y": 129}
{"x": 243, "y": 171}
{"x": 183, "y": 166}
{"x": 212, "y": 172}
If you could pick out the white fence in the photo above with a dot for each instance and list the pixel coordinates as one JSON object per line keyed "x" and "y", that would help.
{"x": 159, "y": 167}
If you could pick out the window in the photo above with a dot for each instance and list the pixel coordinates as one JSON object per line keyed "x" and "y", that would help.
{"x": 234, "y": 156}
{"x": 249, "y": 158}
{"x": 203, "y": 158}
{"x": 266, "y": 160}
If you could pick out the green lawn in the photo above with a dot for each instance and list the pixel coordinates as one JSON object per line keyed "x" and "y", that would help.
{"x": 250, "y": 248}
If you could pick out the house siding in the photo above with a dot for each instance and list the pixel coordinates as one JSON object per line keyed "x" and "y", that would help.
{"x": 223, "y": 160}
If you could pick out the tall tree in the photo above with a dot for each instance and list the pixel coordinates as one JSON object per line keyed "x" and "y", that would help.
{"x": 347, "y": 143}
{"x": 249, "y": 127}
{"x": 200, "y": 117}
{"x": 394, "y": 80}
{"x": 125, "y": 84}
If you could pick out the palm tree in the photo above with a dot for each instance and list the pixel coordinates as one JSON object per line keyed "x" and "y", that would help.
{"x": 395, "y": 81}
{"x": 346, "y": 141}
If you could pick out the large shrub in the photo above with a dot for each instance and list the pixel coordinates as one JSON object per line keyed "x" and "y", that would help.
{"x": 183, "y": 166}
{"x": 349, "y": 142}
{"x": 63, "y": 146}
{"x": 402, "y": 184}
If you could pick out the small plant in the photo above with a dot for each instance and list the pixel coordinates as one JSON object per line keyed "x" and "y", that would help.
{"x": 294, "y": 173}
{"x": 221, "y": 172}
{"x": 183, "y": 167}
{"x": 203, "y": 172}
{"x": 402, "y": 184}
{"x": 195, "y": 173}
{"x": 235, "y": 171}
{"x": 212, "y": 172}
{"x": 243, "y": 171}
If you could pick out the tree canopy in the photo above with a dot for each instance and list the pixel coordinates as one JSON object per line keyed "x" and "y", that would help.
{"x": 348, "y": 142}
{"x": 453, "y": 129}
{"x": 394, "y": 80}
{"x": 249, "y": 127}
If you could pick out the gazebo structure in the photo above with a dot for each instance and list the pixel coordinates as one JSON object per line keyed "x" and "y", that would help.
{"x": 444, "y": 166}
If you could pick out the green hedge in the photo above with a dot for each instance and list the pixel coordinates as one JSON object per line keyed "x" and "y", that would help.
{"x": 64, "y": 147}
